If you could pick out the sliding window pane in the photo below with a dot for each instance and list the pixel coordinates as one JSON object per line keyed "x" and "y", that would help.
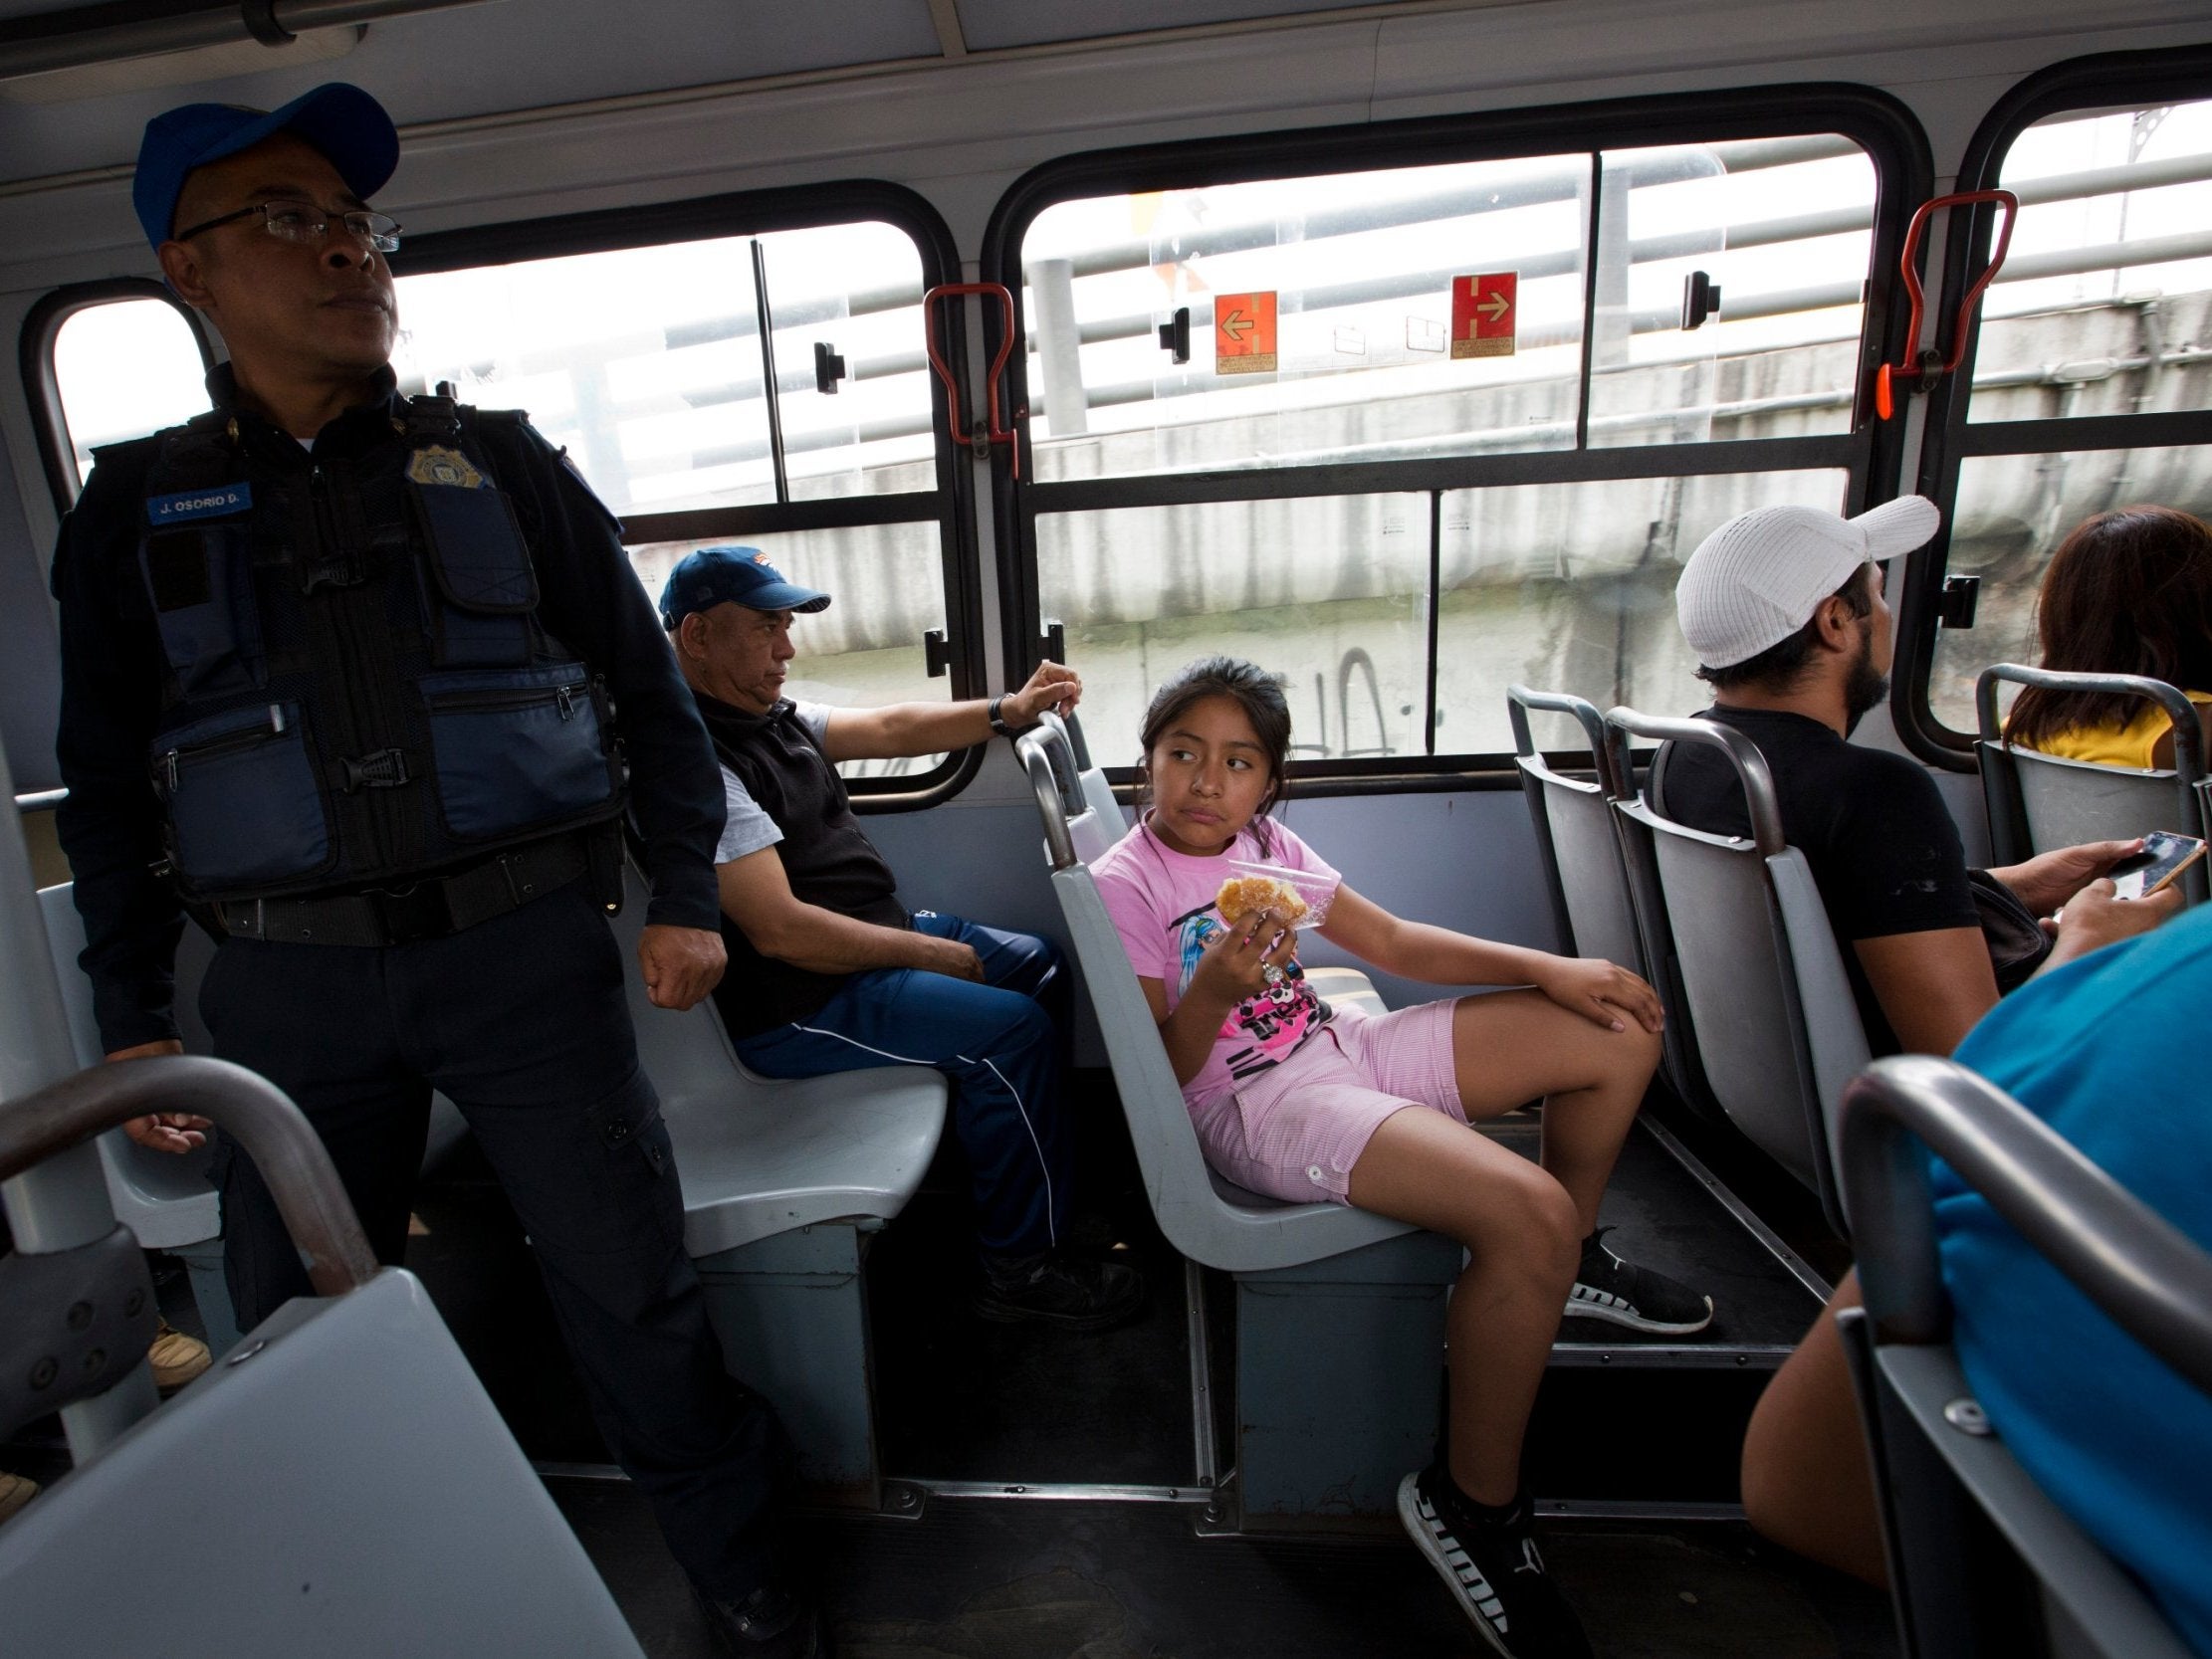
{"x": 1320, "y": 315}
{"x": 2104, "y": 306}
{"x": 1570, "y": 587}
{"x": 1332, "y": 593}
{"x": 1783, "y": 228}
{"x": 2013, "y": 512}
{"x": 643, "y": 363}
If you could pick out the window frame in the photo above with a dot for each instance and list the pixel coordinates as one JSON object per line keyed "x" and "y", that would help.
{"x": 42, "y": 389}
{"x": 2111, "y": 79}
{"x": 1871, "y": 452}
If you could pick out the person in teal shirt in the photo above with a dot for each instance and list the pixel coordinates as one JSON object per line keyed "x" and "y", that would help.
{"x": 2110, "y": 1052}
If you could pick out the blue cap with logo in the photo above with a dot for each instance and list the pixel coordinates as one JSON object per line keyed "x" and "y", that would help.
{"x": 743, "y": 575}
{"x": 348, "y": 127}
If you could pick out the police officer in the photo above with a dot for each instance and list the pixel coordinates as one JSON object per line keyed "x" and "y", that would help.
{"x": 339, "y": 676}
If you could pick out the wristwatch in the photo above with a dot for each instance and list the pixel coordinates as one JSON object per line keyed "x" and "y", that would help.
{"x": 998, "y": 718}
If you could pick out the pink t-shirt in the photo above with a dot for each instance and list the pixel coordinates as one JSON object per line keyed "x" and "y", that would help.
{"x": 1161, "y": 904}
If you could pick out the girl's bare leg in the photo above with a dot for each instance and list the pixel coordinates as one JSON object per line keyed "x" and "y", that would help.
{"x": 1522, "y": 1234}
{"x": 1510, "y": 1047}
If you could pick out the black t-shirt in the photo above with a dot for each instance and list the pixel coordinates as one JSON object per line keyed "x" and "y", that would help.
{"x": 1871, "y": 825}
{"x": 827, "y": 858}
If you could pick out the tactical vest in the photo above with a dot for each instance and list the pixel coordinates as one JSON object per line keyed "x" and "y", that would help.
{"x": 358, "y": 691}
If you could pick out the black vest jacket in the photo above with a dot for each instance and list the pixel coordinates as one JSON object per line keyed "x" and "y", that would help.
{"x": 357, "y": 691}
{"x": 826, "y": 858}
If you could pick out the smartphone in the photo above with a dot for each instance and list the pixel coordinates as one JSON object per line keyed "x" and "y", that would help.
{"x": 2164, "y": 856}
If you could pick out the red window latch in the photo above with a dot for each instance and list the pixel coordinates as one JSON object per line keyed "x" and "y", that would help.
{"x": 993, "y": 430}
{"x": 1930, "y": 366}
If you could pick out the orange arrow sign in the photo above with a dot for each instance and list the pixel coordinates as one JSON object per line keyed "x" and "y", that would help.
{"x": 1244, "y": 333}
{"x": 1482, "y": 320}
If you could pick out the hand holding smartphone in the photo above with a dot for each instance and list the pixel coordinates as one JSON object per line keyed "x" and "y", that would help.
{"x": 2163, "y": 858}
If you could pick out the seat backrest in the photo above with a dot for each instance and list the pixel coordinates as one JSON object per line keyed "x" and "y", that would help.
{"x": 2039, "y": 802}
{"x": 1971, "y": 1537}
{"x": 343, "y": 1487}
{"x": 1776, "y": 1026}
{"x": 1211, "y": 1221}
{"x": 1575, "y": 837}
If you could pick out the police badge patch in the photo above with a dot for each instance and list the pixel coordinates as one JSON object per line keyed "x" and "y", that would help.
{"x": 434, "y": 464}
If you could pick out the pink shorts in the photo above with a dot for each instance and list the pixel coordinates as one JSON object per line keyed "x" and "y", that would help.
{"x": 1295, "y": 1131}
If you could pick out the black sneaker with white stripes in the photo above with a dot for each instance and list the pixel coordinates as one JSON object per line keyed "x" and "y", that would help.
{"x": 1608, "y": 1288}
{"x": 1492, "y": 1569}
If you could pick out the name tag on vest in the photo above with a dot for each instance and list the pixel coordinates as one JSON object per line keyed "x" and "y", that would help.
{"x": 199, "y": 503}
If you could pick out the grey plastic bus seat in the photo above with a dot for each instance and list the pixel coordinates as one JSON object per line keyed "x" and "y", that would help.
{"x": 1777, "y": 1027}
{"x": 783, "y": 1180}
{"x": 1248, "y": 1236}
{"x": 1339, "y": 1312}
{"x": 349, "y": 1492}
{"x": 2039, "y": 802}
{"x": 1594, "y": 898}
{"x": 341, "y": 1486}
{"x": 1981, "y": 1561}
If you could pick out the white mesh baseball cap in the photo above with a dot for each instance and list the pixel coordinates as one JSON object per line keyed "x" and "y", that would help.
{"x": 1758, "y": 578}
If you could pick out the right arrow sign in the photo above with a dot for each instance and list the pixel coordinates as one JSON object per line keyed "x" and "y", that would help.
{"x": 1484, "y": 315}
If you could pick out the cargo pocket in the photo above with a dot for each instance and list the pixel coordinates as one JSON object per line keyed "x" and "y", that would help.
{"x": 245, "y": 809}
{"x": 484, "y": 584}
{"x": 515, "y": 750}
{"x": 200, "y": 581}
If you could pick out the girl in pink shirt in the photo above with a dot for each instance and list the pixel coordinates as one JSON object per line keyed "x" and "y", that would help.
{"x": 1303, "y": 1102}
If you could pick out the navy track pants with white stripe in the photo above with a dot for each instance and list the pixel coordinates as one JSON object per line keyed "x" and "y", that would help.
{"x": 1002, "y": 1044}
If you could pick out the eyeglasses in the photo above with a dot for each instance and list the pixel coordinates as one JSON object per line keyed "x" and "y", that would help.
{"x": 307, "y": 223}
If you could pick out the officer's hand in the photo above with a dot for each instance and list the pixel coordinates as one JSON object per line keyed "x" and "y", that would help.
{"x": 681, "y": 964}
{"x": 164, "y": 1131}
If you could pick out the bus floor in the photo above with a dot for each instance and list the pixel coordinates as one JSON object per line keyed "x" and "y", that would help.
{"x": 1631, "y": 1453}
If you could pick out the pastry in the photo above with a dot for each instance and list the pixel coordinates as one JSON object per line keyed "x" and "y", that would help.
{"x": 1243, "y": 895}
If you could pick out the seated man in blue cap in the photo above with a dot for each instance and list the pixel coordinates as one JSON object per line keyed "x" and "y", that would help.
{"x": 374, "y": 645}
{"x": 829, "y": 972}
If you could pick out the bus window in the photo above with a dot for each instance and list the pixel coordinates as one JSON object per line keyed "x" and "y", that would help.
{"x": 2097, "y": 330}
{"x": 654, "y": 367}
{"x": 1434, "y": 428}
{"x": 124, "y": 368}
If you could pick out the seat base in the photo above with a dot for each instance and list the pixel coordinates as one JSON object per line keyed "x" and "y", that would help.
{"x": 1339, "y": 1383}
{"x": 791, "y": 1313}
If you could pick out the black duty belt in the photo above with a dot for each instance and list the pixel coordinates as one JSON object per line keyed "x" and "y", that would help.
{"x": 429, "y": 909}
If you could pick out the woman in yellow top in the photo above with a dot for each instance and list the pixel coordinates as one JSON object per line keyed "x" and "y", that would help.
{"x": 2128, "y": 592}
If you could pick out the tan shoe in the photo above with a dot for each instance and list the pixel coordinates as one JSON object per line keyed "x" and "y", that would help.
{"x": 177, "y": 1358}
{"x": 15, "y": 1492}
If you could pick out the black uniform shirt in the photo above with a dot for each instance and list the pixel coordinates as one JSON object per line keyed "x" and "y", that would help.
{"x": 111, "y": 825}
{"x": 1871, "y": 825}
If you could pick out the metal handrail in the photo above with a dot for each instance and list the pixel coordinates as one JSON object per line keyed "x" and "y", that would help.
{"x": 1519, "y": 700}
{"x": 2188, "y": 762}
{"x": 2146, "y": 1275}
{"x": 1035, "y": 747}
{"x": 1760, "y": 800}
{"x": 291, "y": 1157}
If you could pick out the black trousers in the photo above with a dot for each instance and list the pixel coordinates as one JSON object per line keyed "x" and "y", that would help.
{"x": 522, "y": 1022}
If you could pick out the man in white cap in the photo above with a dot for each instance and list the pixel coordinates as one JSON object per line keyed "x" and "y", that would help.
{"x": 1783, "y": 606}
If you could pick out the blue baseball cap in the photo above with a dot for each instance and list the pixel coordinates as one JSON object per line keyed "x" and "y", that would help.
{"x": 348, "y": 127}
{"x": 708, "y": 577}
